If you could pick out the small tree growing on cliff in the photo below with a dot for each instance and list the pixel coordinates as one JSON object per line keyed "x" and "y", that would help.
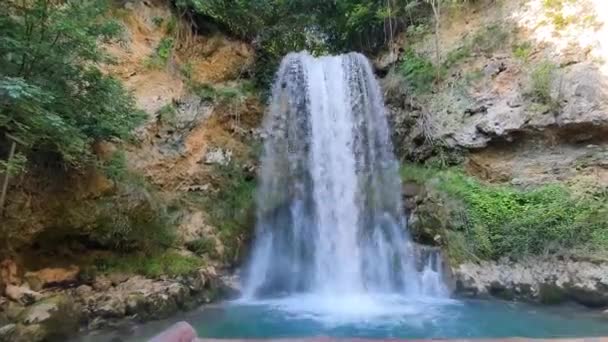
{"x": 53, "y": 95}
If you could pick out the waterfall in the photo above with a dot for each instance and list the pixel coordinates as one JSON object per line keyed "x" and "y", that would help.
{"x": 329, "y": 212}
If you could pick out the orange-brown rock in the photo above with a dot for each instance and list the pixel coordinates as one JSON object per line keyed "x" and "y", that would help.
{"x": 52, "y": 277}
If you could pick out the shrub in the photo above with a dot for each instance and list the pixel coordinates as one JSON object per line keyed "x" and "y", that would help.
{"x": 522, "y": 51}
{"x": 542, "y": 78}
{"x": 418, "y": 71}
{"x": 497, "y": 220}
{"x": 161, "y": 55}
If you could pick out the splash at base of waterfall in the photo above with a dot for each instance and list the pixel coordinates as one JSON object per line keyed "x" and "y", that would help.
{"x": 329, "y": 214}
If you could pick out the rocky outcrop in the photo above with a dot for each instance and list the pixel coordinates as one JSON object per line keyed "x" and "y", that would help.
{"x": 544, "y": 280}
{"x": 109, "y": 300}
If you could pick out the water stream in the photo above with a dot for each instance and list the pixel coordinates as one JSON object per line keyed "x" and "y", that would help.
{"x": 330, "y": 220}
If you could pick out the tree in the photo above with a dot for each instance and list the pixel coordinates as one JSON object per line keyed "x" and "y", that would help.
{"x": 53, "y": 95}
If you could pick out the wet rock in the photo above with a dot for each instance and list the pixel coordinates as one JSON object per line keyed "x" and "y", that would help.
{"x": 29, "y": 333}
{"x": 51, "y": 318}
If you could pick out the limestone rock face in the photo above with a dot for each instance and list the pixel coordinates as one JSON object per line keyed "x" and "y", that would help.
{"x": 545, "y": 280}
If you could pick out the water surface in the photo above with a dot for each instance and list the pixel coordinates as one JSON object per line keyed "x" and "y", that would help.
{"x": 377, "y": 317}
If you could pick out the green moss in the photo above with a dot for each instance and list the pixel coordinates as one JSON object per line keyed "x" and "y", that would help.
{"x": 167, "y": 263}
{"x": 502, "y": 220}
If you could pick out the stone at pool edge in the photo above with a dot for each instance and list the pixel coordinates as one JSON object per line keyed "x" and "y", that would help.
{"x": 50, "y": 319}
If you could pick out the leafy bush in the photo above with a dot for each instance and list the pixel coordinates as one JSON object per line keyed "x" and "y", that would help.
{"x": 418, "y": 71}
{"x": 52, "y": 95}
{"x": 498, "y": 221}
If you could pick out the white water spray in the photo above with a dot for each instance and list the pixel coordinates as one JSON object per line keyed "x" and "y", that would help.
{"x": 329, "y": 219}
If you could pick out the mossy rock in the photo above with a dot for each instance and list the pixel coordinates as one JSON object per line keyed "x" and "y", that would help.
{"x": 551, "y": 294}
{"x": 51, "y": 319}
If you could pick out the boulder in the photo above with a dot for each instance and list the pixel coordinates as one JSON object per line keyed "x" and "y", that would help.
{"x": 22, "y": 294}
{"x": 112, "y": 307}
{"x": 52, "y": 318}
{"x": 102, "y": 283}
{"x": 52, "y": 277}
{"x": 7, "y": 331}
{"x": 118, "y": 278}
{"x": 178, "y": 332}
{"x": 8, "y": 274}
{"x": 548, "y": 280}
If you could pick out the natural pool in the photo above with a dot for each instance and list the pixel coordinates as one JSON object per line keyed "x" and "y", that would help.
{"x": 376, "y": 317}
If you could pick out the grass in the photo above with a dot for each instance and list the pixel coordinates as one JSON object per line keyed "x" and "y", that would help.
{"x": 168, "y": 263}
{"x": 491, "y": 221}
{"x": 542, "y": 79}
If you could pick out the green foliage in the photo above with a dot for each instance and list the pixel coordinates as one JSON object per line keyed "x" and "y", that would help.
{"x": 161, "y": 55}
{"x": 222, "y": 94}
{"x": 201, "y": 246}
{"x": 157, "y": 21}
{"x": 498, "y": 221}
{"x": 162, "y": 264}
{"x": 541, "y": 82}
{"x": 52, "y": 95}
{"x": 456, "y": 56}
{"x": 281, "y": 26}
{"x": 489, "y": 39}
{"x": 522, "y": 51}
{"x": 418, "y": 71}
{"x": 15, "y": 166}
{"x": 230, "y": 208}
{"x": 167, "y": 114}
{"x": 133, "y": 218}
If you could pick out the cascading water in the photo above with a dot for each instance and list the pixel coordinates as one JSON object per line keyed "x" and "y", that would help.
{"x": 329, "y": 213}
